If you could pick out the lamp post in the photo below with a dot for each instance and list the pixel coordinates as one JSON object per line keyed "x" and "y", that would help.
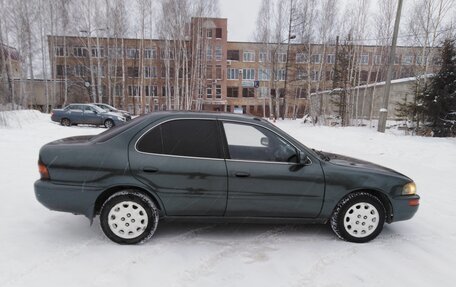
{"x": 89, "y": 48}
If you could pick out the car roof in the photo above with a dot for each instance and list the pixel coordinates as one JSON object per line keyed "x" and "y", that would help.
{"x": 206, "y": 114}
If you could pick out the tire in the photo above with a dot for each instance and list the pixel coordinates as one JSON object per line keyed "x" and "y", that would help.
{"x": 109, "y": 123}
{"x": 129, "y": 217}
{"x": 65, "y": 122}
{"x": 358, "y": 218}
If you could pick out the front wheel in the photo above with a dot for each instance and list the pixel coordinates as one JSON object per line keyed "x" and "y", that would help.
{"x": 359, "y": 217}
{"x": 129, "y": 217}
{"x": 65, "y": 122}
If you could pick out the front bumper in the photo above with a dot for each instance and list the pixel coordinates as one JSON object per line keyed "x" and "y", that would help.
{"x": 401, "y": 208}
{"x": 67, "y": 198}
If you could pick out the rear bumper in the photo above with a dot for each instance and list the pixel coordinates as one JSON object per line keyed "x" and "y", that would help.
{"x": 401, "y": 208}
{"x": 67, "y": 198}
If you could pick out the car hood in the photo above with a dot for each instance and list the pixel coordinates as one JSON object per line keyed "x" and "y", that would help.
{"x": 343, "y": 160}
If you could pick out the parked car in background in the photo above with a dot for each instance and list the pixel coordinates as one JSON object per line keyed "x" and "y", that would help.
{"x": 87, "y": 114}
{"x": 216, "y": 166}
{"x": 112, "y": 109}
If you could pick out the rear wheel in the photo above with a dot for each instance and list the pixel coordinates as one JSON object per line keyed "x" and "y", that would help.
{"x": 359, "y": 217}
{"x": 129, "y": 217}
{"x": 65, "y": 122}
{"x": 109, "y": 123}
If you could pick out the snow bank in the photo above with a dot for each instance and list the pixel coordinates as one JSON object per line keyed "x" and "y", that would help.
{"x": 20, "y": 118}
{"x": 39, "y": 247}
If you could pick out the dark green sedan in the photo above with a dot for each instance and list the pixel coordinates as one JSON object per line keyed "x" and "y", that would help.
{"x": 215, "y": 166}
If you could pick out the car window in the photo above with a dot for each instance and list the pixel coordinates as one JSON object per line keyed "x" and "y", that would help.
{"x": 195, "y": 138}
{"x": 255, "y": 143}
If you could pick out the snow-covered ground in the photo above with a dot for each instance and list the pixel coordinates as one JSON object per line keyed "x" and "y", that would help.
{"x": 39, "y": 247}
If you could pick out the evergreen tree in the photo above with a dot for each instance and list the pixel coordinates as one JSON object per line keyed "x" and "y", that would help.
{"x": 440, "y": 97}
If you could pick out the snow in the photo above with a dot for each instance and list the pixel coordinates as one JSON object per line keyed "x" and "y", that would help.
{"x": 39, "y": 247}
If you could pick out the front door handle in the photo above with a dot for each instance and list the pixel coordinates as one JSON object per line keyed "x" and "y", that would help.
{"x": 242, "y": 174}
{"x": 150, "y": 169}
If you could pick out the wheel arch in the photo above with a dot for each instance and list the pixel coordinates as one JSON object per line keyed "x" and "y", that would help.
{"x": 110, "y": 191}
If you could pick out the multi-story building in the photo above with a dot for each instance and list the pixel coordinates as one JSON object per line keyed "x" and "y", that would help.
{"x": 205, "y": 71}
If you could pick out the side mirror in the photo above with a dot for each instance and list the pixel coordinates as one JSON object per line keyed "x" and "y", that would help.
{"x": 264, "y": 141}
{"x": 304, "y": 159}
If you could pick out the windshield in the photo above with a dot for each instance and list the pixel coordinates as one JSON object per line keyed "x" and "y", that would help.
{"x": 98, "y": 109}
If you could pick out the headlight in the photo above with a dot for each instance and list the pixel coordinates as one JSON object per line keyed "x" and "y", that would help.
{"x": 121, "y": 119}
{"x": 409, "y": 189}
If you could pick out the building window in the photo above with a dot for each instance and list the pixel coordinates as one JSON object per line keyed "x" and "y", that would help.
{"x": 315, "y": 75}
{"x": 209, "y": 52}
{"x": 248, "y": 92}
{"x": 167, "y": 54}
{"x": 208, "y": 72}
{"x": 133, "y": 72}
{"x": 282, "y": 57}
{"x": 133, "y": 91}
{"x": 330, "y": 58}
{"x": 218, "y": 72}
{"x": 79, "y": 52}
{"x": 264, "y": 92}
{"x": 249, "y": 56}
{"x": 95, "y": 52}
{"x": 407, "y": 60}
{"x": 315, "y": 59}
{"x": 80, "y": 71}
{"x": 232, "y": 92}
{"x": 132, "y": 53}
{"x": 301, "y": 93}
{"x": 364, "y": 59}
{"x": 280, "y": 75}
{"x": 151, "y": 91}
{"x": 302, "y": 58}
{"x": 209, "y": 33}
{"x": 218, "y": 53}
{"x": 264, "y": 74}
{"x": 59, "y": 70}
{"x": 117, "y": 90}
{"x": 150, "y": 72}
{"x": 377, "y": 59}
{"x": 248, "y": 74}
{"x": 301, "y": 74}
{"x": 209, "y": 91}
{"x": 397, "y": 60}
{"x": 114, "y": 52}
{"x": 232, "y": 74}
{"x": 150, "y": 53}
{"x": 263, "y": 57}
{"x": 60, "y": 51}
{"x": 218, "y": 91}
{"x": 218, "y": 33}
{"x": 233, "y": 55}
{"x": 101, "y": 73}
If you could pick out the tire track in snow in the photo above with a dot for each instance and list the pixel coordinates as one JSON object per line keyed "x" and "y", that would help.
{"x": 231, "y": 249}
{"x": 156, "y": 248}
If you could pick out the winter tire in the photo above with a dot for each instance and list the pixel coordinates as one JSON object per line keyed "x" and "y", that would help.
{"x": 129, "y": 217}
{"x": 359, "y": 217}
{"x": 65, "y": 122}
{"x": 109, "y": 123}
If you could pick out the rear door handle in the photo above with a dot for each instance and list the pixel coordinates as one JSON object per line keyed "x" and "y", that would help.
{"x": 242, "y": 174}
{"x": 150, "y": 169}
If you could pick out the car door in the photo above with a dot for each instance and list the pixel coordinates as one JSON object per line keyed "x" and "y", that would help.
{"x": 181, "y": 161}
{"x": 264, "y": 178}
{"x": 91, "y": 117}
{"x": 75, "y": 114}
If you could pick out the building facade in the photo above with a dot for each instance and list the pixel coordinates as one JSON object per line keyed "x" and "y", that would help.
{"x": 204, "y": 71}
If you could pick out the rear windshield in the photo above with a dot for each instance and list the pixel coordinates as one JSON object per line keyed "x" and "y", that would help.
{"x": 116, "y": 130}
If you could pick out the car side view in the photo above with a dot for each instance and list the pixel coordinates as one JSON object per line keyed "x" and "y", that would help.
{"x": 88, "y": 114}
{"x": 216, "y": 166}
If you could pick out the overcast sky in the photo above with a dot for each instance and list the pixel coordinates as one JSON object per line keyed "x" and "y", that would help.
{"x": 241, "y": 16}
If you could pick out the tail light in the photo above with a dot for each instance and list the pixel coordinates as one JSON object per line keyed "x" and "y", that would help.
{"x": 44, "y": 172}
